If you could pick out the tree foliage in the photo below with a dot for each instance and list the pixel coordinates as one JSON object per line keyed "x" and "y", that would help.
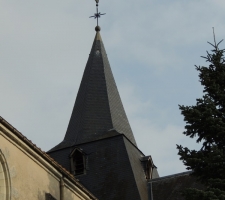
{"x": 205, "y": 121}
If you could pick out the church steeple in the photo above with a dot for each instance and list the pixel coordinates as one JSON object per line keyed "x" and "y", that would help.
{"x": 98, "y": 108}
{"x": 99, "y": 146}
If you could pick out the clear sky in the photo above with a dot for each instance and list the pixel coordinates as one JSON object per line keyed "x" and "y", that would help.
{"x": 152, "y": 47}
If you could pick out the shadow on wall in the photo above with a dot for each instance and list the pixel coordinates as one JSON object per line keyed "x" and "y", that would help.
{"x": 53, "y": 191}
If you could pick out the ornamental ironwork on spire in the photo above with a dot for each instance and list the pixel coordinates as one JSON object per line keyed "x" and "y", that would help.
{"x": 97, "y": 14}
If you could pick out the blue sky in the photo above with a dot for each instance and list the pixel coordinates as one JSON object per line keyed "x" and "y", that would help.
{"x": 152, "y": 47}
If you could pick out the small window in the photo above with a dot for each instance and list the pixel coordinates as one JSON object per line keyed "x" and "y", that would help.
{"x": 77, "y": 162}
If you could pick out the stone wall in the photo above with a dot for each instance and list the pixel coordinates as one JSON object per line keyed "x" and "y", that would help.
{"x": 27, "y": 173}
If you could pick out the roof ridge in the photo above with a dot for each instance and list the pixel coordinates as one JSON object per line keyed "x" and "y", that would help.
{"x": 171, "y": 176}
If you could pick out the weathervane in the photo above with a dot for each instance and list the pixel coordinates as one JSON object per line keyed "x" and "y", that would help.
{"x": 97, "y": 14}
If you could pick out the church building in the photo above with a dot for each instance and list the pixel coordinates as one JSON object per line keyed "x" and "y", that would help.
{"x": 28, "y": 173}
{"x": 99, "y": 147}
{"x": 98, "y": 157}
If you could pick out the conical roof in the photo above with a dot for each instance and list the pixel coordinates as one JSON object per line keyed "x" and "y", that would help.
{"x": 98, "y": 108}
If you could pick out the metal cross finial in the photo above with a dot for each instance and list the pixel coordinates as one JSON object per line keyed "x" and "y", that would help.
{"x": 97, "y": 14}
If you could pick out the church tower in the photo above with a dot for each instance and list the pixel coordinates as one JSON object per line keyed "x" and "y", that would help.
{"x": 99, "y": 147}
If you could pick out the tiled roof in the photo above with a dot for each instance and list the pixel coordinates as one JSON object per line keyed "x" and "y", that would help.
{"x": 171, "y": 187}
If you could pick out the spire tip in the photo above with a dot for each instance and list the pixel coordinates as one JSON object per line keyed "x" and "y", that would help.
{"x": 97, "y": 28}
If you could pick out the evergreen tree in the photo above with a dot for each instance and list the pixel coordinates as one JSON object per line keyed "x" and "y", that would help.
{"x": 205, "y": 121}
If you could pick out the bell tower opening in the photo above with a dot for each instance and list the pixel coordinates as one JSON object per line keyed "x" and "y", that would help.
{"x": 77, "y": 162}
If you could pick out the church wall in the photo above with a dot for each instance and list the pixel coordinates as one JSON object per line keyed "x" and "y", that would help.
{"x": 29, "y": 178}
{"x": 4, "y": 178}
{"x": 69, "y": 194}
{"x": 31, "y": 175}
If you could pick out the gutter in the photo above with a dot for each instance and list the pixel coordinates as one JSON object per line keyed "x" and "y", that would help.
{"x": 150, "y": 193}
{"x": 62, "y": 189}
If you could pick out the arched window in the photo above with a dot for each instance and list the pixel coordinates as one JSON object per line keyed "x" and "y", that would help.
{"x": 4, "y": 179}
{"x": 77, "y": 162}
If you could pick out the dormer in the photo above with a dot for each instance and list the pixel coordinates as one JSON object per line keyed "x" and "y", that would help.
{"x": 78, "y": 162}
{"x": 149, "y": 168}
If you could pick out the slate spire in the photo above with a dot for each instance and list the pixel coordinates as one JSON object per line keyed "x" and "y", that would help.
{"x": 100, "y": 131}
{"x": 98, "y": 108}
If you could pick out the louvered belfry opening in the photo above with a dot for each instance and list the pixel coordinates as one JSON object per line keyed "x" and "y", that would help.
{"x": 78, "y": 162}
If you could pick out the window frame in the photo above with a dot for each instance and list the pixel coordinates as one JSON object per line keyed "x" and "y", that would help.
{"x": 73, "y": 162}
{"x": 6, "y": 175}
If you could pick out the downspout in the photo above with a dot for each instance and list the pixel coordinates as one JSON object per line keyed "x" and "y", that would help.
{"x": 150, "y": 194}
{"x": 61, "y": 189}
